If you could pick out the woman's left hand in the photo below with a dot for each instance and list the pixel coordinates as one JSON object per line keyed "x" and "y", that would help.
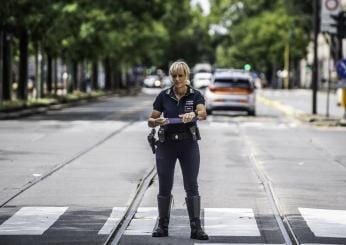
{"x": 187, "y": 117}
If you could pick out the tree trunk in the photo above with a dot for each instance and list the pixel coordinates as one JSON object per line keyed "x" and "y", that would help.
{"x": 69, "y": 81}
{"x": 75, "y": 75}
{"x": 108, "y": 77}
{"x": 118, "y": 77}
{"x": 1, "y": 63}
{"x": 7, "y": 64}
{"x": 49, "y": 74}
{"x": 95, "y": 75}
{"x": 37, "y": 71}
{"x": 23, "y": 65}
{"x": 43, "y": 74}
{"x": 82, "y": 84}
{"x": 55, "y": 75}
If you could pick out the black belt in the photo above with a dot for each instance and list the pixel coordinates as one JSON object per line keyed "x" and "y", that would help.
{"x": 179, "y": 136}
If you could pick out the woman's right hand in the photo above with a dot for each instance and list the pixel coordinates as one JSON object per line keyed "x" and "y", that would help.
{"x": 160, "y": 121}
{"x": 154, "y": 122}
{"x": 155, "y": 119}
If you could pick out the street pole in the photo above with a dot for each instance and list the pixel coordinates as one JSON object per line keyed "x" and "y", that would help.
{"x": 329, "y": 42}
{"x": 315, "y": 64}
{"x": 1, "y": 65}
{"x": 329, "y": 76}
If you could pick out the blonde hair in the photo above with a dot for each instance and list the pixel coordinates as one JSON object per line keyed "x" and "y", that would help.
{"x": 179, "y": 66}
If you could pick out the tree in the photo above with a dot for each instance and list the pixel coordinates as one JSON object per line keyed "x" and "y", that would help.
{"x": 259, "y": 32}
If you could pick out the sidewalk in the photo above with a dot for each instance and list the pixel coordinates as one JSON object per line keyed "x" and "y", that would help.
{"x": 297, "y": 103}
{"x": 58, "y": 104}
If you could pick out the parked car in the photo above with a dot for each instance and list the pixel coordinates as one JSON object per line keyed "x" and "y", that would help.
{"x": 231, "y": 89}
{"x": 201, "y": 80}
{"x": 166, "y": 82}
{"x": 153, "y": 81}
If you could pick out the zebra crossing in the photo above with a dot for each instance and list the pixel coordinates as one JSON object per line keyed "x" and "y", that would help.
{"x": 31, "y": 220}
{"x": 218, "y": 222}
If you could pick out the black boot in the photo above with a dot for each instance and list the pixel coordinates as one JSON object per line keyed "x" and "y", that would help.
{"x": 164, "y": 205}
{"x": 194, "y": 208}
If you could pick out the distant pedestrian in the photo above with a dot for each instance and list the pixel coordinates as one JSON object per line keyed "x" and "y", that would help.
{"x": 178, "y": 141}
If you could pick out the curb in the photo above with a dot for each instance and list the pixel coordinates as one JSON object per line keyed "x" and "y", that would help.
{"x": 300, "y": 116}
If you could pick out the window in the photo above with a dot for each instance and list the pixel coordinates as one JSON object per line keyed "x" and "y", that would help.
{"x": 232, "y": 83}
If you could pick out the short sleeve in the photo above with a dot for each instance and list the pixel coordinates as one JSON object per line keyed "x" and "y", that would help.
{"x": 199, "y": 99}
{"x": 158, "y": 104}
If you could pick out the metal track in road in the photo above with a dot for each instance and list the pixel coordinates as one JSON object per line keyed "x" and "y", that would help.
{"x": 31, "y": 183}
{"x": 284, "y": 225}
{"x": 118, "y": 231}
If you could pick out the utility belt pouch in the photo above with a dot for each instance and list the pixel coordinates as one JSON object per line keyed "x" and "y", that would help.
{"x": 198, "y": 133}
{"x": 161, "y": 135}
{"x": 195, "y": 133}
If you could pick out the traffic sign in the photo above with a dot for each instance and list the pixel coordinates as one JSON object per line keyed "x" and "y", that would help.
{"x": 341, "y": 68}
{"x": 331, "y": 5}
{"x": 328, "y": 8}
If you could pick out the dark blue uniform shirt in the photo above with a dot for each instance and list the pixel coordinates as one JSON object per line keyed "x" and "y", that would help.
{"x": 167, "y": 103}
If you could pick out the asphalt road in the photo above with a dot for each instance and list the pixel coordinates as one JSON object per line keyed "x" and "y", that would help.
{"x": 67, "y": 177}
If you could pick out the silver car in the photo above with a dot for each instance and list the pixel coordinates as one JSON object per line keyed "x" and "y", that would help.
{"x": 231, "y": 89}
{"x": 201, "y": 80}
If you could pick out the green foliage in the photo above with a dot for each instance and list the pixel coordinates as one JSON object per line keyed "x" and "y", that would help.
{"x": 155, "y": 32}
{"x": 259, "y": 31}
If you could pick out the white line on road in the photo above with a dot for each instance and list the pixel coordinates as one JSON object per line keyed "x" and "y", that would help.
{"x": 324, "y": 222}
{"x": 113, "y": 220}
{"x": 31, "y": 220}
{"x": 230, "y": 222}
{"x": 237, "y": 244}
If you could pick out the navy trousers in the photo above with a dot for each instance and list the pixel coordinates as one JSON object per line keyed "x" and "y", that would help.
{"x": 187, "y": 152}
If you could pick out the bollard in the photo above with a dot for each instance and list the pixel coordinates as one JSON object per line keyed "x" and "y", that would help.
{"x": 343, "y": 100}
{"x": 343, "y": 97}
{"x": 342, "y": 85}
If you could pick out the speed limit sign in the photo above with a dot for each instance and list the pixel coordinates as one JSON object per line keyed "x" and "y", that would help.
{"x": 328, "y": 8}
{"x": 331, "y": 5}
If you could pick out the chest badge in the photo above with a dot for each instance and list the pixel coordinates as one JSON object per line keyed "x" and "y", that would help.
{"x": 188, "y": 106}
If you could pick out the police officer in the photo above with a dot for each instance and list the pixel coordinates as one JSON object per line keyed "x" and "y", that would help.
{"x": 178, "y": 141}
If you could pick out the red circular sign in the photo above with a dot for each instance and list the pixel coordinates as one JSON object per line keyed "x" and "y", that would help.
{"x": 332, "y": 5}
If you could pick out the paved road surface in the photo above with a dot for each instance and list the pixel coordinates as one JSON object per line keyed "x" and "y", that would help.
{"x": 67, "y": 177}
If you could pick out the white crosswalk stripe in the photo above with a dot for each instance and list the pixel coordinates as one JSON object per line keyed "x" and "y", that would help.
{"x": 31, "y": 220}
{"x": 237, "y": 244}
{"x": 218, "y": 222}
{"x": 113, "y": 220}
{"x": 230, "y": 222}
{"x": 324, "y": 222}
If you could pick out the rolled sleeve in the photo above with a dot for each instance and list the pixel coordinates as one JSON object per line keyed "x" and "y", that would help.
{"x": 158, "y": 104}
{"x": 199, "y": 99}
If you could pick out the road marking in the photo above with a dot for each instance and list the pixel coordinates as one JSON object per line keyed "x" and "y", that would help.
{"x": 324, "y": 222}
{"x": 143, "y": 223}
{"x": 113, "y": 220}
{"x": 31, "y": 220}
{"x": 239, "y": 244}
{"x": 230, "y": 222}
